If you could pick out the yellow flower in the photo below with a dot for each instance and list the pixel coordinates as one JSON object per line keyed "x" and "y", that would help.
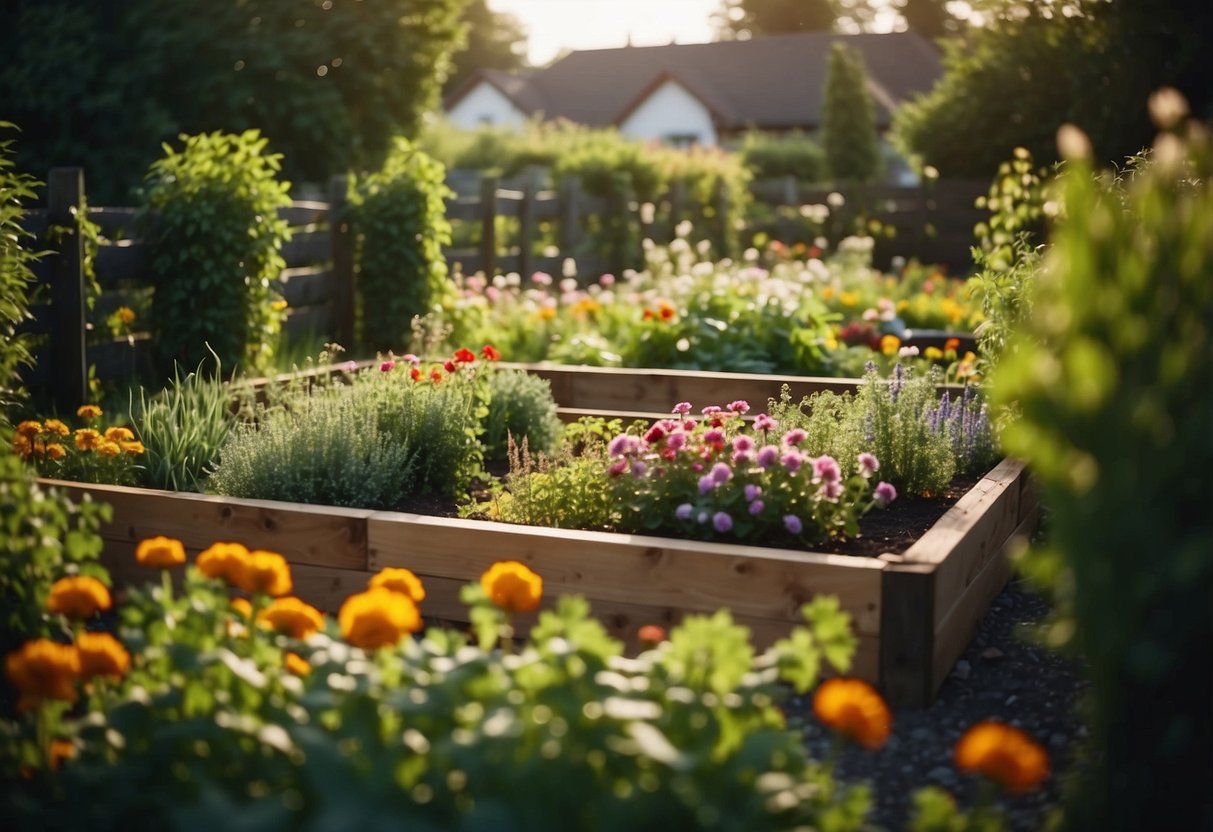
{"x": 117, "y": 434}
{"x": 29, "y": 428}
{"x": 933, "y": 353}
{"x": 135, "y": 447}
{"x": 23, "y": 446}
{"x": 400, "y": 580}
{"x": 102, "y": 655}
{"x": 853, "y": 708}
{"x": 889, "y": 344}
{"x": 546, "y": 313}
{"x": 1004, "y": 754}
{"x": 278, "y": 305}
{"x": 225, "y": 561}
{"x": 110, "y": 449}
{"x": 56, "y": 451}
{"x": 125, "y": 315}
{"x": 265, "y": 572}
{"x": 78, "y": 596}
{"x": 827, "y": 292}
{"x": 377, "y": 618}
{"x": 88, "y": 411}
{"x": 293, "y": 617}
{"x": 242, "y": 607}
{"x": 88, "y": 439}
{"x": 160, "y": 552}
{"x": 849, "y": 299}
{"x": 297, "y": 664}
{"x": 512, "y": 586}
{"x": 903, "y": 305}
{"x": 43, "y": 669}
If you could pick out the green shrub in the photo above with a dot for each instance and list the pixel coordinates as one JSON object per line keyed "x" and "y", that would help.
{"x": 774, "y": 157}
{"x": 848, "y": 121}
{"x": 401, "y": 221}
{"x": 211, "y": 224}
{"x": 1111, "y": 376}
{"x": 520, "y": 407}
{"x": 16, "y": 277}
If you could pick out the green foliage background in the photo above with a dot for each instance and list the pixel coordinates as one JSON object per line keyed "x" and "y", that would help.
{"x": 16, "y": 276}
{"x": 848, "y": 119}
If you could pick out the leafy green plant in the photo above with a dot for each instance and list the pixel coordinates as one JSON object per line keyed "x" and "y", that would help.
{"x": 401, "y": 221}
{"x": 521, "y": 407}
{"x": 1110, "y": 377}
{"x": 214, "y": 237}
{"x": 182, "y": 428}
{"x": 16, "y": 276}
{"x": 848, "y": 121}
{"x": 773, "y": 157}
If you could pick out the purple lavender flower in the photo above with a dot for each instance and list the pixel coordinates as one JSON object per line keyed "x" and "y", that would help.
{"x": 621, "y": 445}
{"x": 684, "y": 511}
{"x": 722, "y": 522}
{"x": 767, "y": 456}
{"x": 752, "y": 492}
{"x": 899, "y": 377}
{"x": 794, "y": 437}
{"x": 638, "y": 468}
{"x": 706, "y": 483}
{"x": 757, "y": 507}
{"x": 721, "y": 473}
{"x": 792, "y": 523}
{"x": 868, "y": 464}
{"x": 884, "y": 494}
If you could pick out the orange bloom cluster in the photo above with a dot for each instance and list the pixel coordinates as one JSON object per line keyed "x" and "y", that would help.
{"x": 78, "y": 597}
{"x": 853, "y": 708}
{"x": 41, "y": 439}
{"x": 293, "y": 617}
{"x": 399, "y": 580}
{"x": 43, "y": 669}
{"x": 512, "y": 586}
{"x": 665, "y": 312}
{"x": 256, "y": 571}
{"x": 160, "y": 552}
{"x": 377, "y": 618}
{"x": 1004, "y": 754}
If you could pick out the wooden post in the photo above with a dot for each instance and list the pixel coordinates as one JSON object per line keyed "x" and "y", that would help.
{"x": 344, "y": 288}
{"x": 69, "y": 370}
{"x": 488, "y": 225}
{"x": 570, "y": 216}
{"x": 526, "y": 229}
{"x": 907, "y": 634}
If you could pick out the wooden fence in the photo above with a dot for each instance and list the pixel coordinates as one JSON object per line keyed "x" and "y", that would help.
{"x": 319, "y": 284}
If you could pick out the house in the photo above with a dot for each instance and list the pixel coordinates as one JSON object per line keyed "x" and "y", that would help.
{"x": 700, "y": 93}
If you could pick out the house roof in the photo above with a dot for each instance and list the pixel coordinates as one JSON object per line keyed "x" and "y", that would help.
{"x": 775, "y": 81}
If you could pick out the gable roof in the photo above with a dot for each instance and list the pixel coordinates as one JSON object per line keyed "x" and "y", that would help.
{"x": 771, "y": 82}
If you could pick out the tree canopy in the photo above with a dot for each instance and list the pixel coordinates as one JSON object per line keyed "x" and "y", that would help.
{"x": 495, "y": 40}
{"x": 747, "y": 18}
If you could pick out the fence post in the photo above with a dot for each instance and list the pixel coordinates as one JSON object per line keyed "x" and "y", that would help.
{"x": 342, "y": 240}
{"x": 570, "y": 216}
{"x": 526, "y": 229}
{"x": 488, "y": 225}
{"x": 69, "y": 372}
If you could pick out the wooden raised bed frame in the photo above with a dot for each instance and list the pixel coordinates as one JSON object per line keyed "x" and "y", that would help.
{"x": 913, "y": 613}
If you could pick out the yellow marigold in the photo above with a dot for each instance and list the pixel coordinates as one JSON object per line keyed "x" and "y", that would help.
{"x": 853, "y": 708}
{"x": 43, "y": 669}
{"x": 297, "y": 664}
{"x": 400, "y": 580}
{"x": 110, "y": 449}
{"x": 242, "y": 607}
{"x": 54, "y": 426}
{"x": 890, "y": 344}
{"x": 117, "y": 434}
{"x": 225, "y": 561}
{"x": 102, "y": 655}
{"x": 265, "y": 572}
{"x": 88, "y": 411}
{"x": 23, "y": 446}
{"x": 88, "y": 439}
{"x": 78, "y": 596}
{"x": 546, "y": 313}
{"x": 125, "y": 315}
{"x": 848, "y": 299}
{"x": 61, "y": 752}
{"x": 135, "y": 447}
{"x": 377, "y": 618}
{"x": 1004, "y": 754}
{"x": 293, "y": 617}
{"x": 933, "y": 353}
{"x": 56, "y": 451}
{"x": 160, "y": 552}
{"x": 512, "y": 586}
{"x": 29, "y": 428}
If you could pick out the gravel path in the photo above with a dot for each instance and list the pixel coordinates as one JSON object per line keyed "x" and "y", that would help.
{"x": 1003, "y": 676}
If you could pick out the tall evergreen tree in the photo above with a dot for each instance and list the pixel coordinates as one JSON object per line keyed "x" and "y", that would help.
{"x": 848, "y": 119}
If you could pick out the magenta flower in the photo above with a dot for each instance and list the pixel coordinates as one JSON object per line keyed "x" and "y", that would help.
{"x": 387, "y": 366}
{"x": 739, "y": 406}
{"x": 654, "y": 434}
{"x": 868, "y": 464}
{"x": 752, "y": 492}
{"x": 710, "y": 410}
{"x": 741, "y": 457}
{"x": 767, "y": 456}
{"x": 684, "y": 511}
{"x": 722, "y": 522}
{"x": 623, "y": 445}
{"x": 757, "y": 507}
{"x": 764, "y": 423}
{"x": 412, "y": 359}
{"x": 831, "y": 491}
{"x": 617, "y": 467}
{"x": 743, "y": 443}
{"x": 682, "y": 408}
{"x": 721, "y": 473}
{"x": 794, "y": 437}
{"x": 676, "y": 441}
{"x": 792, "y": 461}
{"x": 706, "y": 483}
{"x": 792, "y": 523}
{"x": 825, "y": 468}
{"x": 884, "y": 494}
{"x": 715, "y": 436}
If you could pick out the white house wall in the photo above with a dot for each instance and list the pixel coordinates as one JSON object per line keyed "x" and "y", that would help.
{"x": 670, "y": 113}
{"x": 484, "y": 106}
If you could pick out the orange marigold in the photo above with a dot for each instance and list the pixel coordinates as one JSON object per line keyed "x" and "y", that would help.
{"x": 265, "y": 572}
{"x": 135, "y": 447}
{"x": 102, "y": 655}
{"x": 1006, "y": 755}
{"x": 890, "y": 344}
{"x": 88, "y": 411}
{"x": 293, "y": 617}
{"x": 88, "y": 439}
{"x": 55, "y": 451}
{"x": 43, "y": 669}
{"x": 651, "y": 634}
{"x": 512, "y": 586}
{"x": 29, "y": 429}
{"x": 117, "y": 434}
{"x": 56, "y": 427}
{"x": 225, "y": 561}
{"x": 297, "y": 664}
{"x": 110, "y": 449}
{"x": 22, "y": 445}
{"x": 61, "y": 752}
{"x": 160, "y": 552}
{"x": 377, "y": 618}
{"x": 853, "y": 708}
{"x": 78, "y": 596}
{"x": 399, "y": 580}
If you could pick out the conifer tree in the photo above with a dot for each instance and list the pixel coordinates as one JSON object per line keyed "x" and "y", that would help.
{"x": 848, "y": 120}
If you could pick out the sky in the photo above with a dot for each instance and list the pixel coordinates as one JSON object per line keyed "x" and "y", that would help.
{"x": 553, "y": 25}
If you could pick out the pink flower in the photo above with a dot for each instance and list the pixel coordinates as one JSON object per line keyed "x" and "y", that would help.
{"x": 349, "y": 366}
{"x": 617, "y": 467}
{"x": 682, "y": 408}
{"x": 741, "y": 457}
{"x": 387, "y": 366}
{"x": 825, "y": 468}
{"x": 868, "y": 464}
{"x": 884, "y": 494}
{"x": 767, "y": 455}
{"x": 721, "y": 473}
{"x": 412, "y": 359}
{"x": 683, "y": 512}
{"x": 715, "y": 436}
{"x": 542, "y": 279}
{"x": 757, "y": 507}
{"x": 739, "y": 406}
{"x": 794, "y": 437}
{"x": 792, "y": 523}
{"x": 764, "y": 423}
{"x": 676, "y": 441}
{"x": 831, "y": 491}
{"x": 654, "y": 434}
{"x": 722, "y": 522}
{"x": 743, "y": 443}
{"x": 792, "y": 461}
{"x": 623, "y": 445}
{"x": 607, "y": 280}
{"x": 752, "y": 492}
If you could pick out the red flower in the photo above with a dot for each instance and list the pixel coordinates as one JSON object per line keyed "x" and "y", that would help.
{"x": 449, "y": 366}
{"x": 464, "y": 356}
{"x": 435, "y": 375}
{"x": 648, "y": 313}
{"x": 415, "y": 374}
{"x": 490, "y": 353}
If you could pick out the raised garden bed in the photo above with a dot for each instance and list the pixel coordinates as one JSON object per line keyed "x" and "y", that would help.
{"x": 914, "y": 612}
